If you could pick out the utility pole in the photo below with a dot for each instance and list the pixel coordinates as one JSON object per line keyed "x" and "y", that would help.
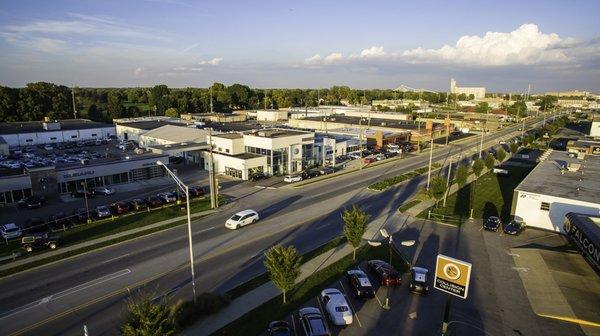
{"x": 74, "y": 107}
{"x": 211, "y": 178}
{"x": 483, "y": 132}
{"x": 430, "y": 159}
{"x": 360, "y": 142}
{"x": 448, "y": 181}
{"x": 211, "y": 108}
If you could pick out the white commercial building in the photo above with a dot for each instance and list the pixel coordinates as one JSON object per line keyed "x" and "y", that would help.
{"x": 29, "y": 133}
{"x": 595, "y": 129}
{"x": 558, "y": 185}
{"x": 133, "y": 128}
{"x": 287, "y": 151}
{"x": 477, "y": 92}
{"x": 271, "y": 115}
{"x": 229, "y": 157}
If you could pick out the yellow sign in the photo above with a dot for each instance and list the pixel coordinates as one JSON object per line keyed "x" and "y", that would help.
{"x": 452, "y": 276}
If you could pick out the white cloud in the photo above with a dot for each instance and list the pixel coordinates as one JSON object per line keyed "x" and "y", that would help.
{"x": 138, "y": 71}
{"x": 333, "y": 57}
{"x": 526, "y": 45}
{"x": 372, "y": 52}
{"x": 214, "y": 62}
{"x": 313, "y": 59}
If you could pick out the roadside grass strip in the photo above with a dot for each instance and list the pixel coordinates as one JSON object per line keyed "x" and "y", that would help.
{"x": 389, "y": 182}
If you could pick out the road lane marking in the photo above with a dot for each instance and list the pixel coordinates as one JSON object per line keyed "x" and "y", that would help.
{"x": 116, "y": 258}
{"x": 572, "y": 320}
{"x": 350, "y": 303}
{"x": 207, "y": 229}
{"x": 65, "y": 293}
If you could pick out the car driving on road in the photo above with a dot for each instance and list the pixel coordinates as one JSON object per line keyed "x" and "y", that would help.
{"x": 386, "y": 273}
{"x": 418, "y": 280}
{"x": 31, "y": 202}
{"x": 336, "y": 306}
{"x": 360, "y": 283}
{"x": 242, "y": 218}
{"x": 312, "y": 322}
{"x": 39, "y": 241}
{"x": 492, "y": 223}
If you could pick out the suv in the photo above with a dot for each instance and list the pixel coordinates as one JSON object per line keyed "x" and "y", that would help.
{"x": 34, "y": 242}
{"x": 312, "y": 322}
{"x": 31, "y": 202}
{"x": 10, "y": 231}
{"x": 492, "y": 224}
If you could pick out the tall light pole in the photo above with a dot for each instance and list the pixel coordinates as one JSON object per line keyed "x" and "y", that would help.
{"x": 430, "y": 159}
{"x": 186, "y": 190}
{"x": 87, "y": 209}
{"x": 448, "y": 181}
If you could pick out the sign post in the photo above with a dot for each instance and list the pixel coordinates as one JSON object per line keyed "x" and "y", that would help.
{"x": 452, "y": 276}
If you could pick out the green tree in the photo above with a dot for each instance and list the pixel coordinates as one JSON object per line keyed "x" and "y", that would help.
{"x": 94, "y": 114}
{"x": 149, "y": 319}
{"x": 437, "y": 188}
{"x": 462, "y": 174}
{"x": 489, "y": 160}
{"x": 478, "y": 166}
{"x": 172, "y": 112}
{"x": 501, "y": 154}
{"x": 159, "y": 98}
{"x": 355, "y": 224}
{"x": 514, "y": 147}
{"x": 547, "y": 102}
{"x": 482, "y": 107}
{"x": 115, "y": 107}
{"x": 283, "y": 265}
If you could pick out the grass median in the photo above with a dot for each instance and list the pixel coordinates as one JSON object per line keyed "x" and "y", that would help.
{"x": 256, "y": 321}
{"x": 391, "y": 181}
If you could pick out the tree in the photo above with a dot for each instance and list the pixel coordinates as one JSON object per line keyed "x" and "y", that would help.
{"x": 355, "y": 221}
{"x": 482, "y": 107}
{"x": 489, "y": 160}
{"x": 172, "y": 112}
{"x": 546, "y": 102}
{"x": 115, "y": 107}
{"x": 159, "y": 98}
{"x": 94, "y": 114}
{"x": 437, "y": 188}
{"x": 478, "y": 167}
{"x": 501, "y": 154}
{"x": 462, "y": 174}
{"x": 514, "y": 147}
{"x": 149, "y": 319}
{"x": 283, "y": 265}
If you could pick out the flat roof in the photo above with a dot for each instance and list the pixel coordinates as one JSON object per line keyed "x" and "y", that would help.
{"x": 19, "y": 127}
{"x": 181, "y": 146}
{"x": 375, "y": 122}
{"x": 277, "y": 133}
{"x": 546, "y": 178}
{"x": 233, "y": 127}
{"x": 228, "y": 135}
{"x": 150, "y": 124}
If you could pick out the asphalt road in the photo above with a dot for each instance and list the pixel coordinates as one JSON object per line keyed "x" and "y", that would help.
{"x": 90, "y": 289}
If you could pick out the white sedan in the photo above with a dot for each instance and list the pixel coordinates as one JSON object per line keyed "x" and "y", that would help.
{"x": 337, "y": 307}
{"x": 242, "y": 218}
{"x": 292, "y": 178}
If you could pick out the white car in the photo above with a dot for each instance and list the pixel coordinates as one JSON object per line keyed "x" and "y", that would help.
{"x": 242, "y": 218}
{"x": 102, "y": 211}
{"x": 10, "y": 231}
{"x": 337, "y": 307}
{"x": 292, "y": 178}
{"x": 354, "y": 155}
{"x": 167, "y": 197}
{"x": 106, "y": 191}
{"x": 502, "y": 142}
{"x": 48, "y": 148}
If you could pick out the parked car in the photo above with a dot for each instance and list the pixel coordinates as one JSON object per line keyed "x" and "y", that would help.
{"x": 336, "y": 306}
{"x": 369, "y": 160}
{"x": 39, "y": 241}
{"x": 106, "y": 191}
{"x": 386, "y": 273}
{"x": 80, "y": 215}
{"x": 196, "y": 191}
{"x": 379, "y": 157}
{"x": 419, "y": 280}
{"x": 355, "y": 155}
{"x": 139, "y": 204}
{"x": 153, "y": 201}
{"x": 258, "y": 176}
{"x": 312, "y": 322}
{"x": 310, "y": 174}
{"x": 360, "y": 283}
{"x": 31, "y": 202}
{"x": 514, "y": 227}
{"x": 102, "y": 211}
{"x": 36, "y": 225}
{"x": 242, "y": 218}
{"x": 292, "y": 178}
{"x": 10, "y": 231}
{"x": 119, "y": 208}
{"x": 82, "y": 193}
{"x": 279, "y": 328}
{"x": 492, "y": 223}
{"x": 59, "y": 221}
{"x": 167, "y": 197}
{"x": 326, "y": 170}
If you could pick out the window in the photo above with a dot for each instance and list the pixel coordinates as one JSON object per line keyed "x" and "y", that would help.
{"x": 29, "y": 140}
{"x": 226, "y": 150}
{"x": 94, "y": 134}
{"x": 73, "y": 136}
{"x": 545, "y": 206}
{"x": 53, "y": 138}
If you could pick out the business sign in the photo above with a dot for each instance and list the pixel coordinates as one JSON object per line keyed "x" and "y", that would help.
{"x": 329, "y": 142}
{"x": 583, "y": 238}
{"x": 452, "y": 276}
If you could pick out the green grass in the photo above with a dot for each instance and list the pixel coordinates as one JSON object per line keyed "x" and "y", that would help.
{"x": 391, "y": 181}
{"x": 264, "y": 277}
{"x": 491, "y": 195}
{"x": 254, "y": 322}
{"x": 408, "y": 205}
{"x": 98, "y": 229}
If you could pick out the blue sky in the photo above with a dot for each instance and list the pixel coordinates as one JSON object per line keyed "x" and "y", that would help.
{"x": 503, "y": 45}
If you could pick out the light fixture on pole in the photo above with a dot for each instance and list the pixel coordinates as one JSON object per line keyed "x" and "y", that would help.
{"x": 186, "y": 190}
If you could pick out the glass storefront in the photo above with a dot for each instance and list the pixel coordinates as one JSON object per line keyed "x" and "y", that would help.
{"x": 233, "y": 172}
{"x": 13, "y": 196}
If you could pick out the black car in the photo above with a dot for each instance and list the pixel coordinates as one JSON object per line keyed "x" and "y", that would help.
{"x": 59, "y": 221}
{"x": 386, "y": 273}
{"x": 310, "y": 174}
{"x": 39, "y": 241}
{"x": 31, "y": 202}
{"x": 492, "y": 224}
{"x": 138, "y": 204}
{"x": 196, "y": 191}
{"x": 279, "y": 328}
{"x": 514, "y": 227}
{"x": 80, "y": 215}
{"x": 258, "y": 176}
{"x": 419, "y": 280}
{"x": 360, "y": 283}
{"x": 153, "y": 201}
{"x": 326, "y": 170}
{"x": 82, "y": 193}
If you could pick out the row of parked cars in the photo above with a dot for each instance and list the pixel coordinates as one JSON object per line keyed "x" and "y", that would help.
{"x": 514, "y": 227}
{"x": 337, "y": 310}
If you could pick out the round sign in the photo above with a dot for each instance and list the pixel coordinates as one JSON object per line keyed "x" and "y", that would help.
{"x": 296, "y": 151}
{"x": 452, "y": 271}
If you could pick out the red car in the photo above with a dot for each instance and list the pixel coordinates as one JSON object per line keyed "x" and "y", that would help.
{"x": 119, "y": 208}
{"x": 370, "y": 160}
{"x": 196, "y": 191}
{"x": 386, "y": 273}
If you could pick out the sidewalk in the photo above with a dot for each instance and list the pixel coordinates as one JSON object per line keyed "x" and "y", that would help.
{"x": 253, "y": 299}
{"x": 63, "y": 250}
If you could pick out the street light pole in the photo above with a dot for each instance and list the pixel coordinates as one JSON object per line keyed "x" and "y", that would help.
{"x": 430, "y": 159}
{"x": 87, "y": 209}
{"x": 186, "y": 189}
{"x": 448, "y": 182}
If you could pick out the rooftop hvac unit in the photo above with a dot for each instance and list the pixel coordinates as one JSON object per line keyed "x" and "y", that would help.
{"x": 573, "y": 167}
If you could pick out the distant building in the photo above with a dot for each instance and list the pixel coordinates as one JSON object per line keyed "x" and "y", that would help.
{"x": 271, "y": 115}
{"x": 574, "y": 93}
{"x": 595, "y": 129}
{"x": 477, "y": 92}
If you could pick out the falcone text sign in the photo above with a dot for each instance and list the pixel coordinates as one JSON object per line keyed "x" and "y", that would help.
{"x": 452, "y": 276}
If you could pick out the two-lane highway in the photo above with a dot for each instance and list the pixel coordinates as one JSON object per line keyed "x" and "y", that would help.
{"x": 58, "y": 299}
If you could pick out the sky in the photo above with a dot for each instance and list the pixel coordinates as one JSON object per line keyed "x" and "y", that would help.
{"x": 501, "y": 45}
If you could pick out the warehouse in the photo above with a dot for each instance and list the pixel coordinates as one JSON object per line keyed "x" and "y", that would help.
{"x": 559, "y": 184}
{"x": 29, "y": 133}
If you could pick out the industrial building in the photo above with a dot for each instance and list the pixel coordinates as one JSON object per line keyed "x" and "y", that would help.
{"x": 477, "y": 92}
{"x": 558, "y": 185}
{"x": 30, "y": 133}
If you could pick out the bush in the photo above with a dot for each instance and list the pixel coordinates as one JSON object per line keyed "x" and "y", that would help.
{"x": 384, "y": 184}
{"x": 207, "y": 303}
